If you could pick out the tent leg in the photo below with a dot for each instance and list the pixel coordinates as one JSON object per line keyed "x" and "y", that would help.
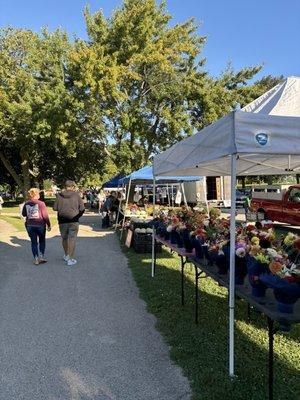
{"x": 119, "y": 208}
{"x": 232, "y": 264}
{"x": 126, "y": 204}
{"x": 184, "y": 196}
{"x": 168, "y": 194}
{"x": 205, "y": 193}
{"x": 153, "y": 232}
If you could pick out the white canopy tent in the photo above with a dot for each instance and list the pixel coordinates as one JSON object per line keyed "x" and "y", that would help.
{"x": 261, "y": 139}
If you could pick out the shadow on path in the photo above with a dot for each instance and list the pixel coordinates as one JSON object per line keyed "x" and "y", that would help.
{"x": 82, "y": 332}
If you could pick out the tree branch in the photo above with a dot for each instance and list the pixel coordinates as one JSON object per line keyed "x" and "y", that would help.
{"x": 10, "y": 169}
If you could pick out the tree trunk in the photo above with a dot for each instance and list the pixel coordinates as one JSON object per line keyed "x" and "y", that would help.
{"x": 10, "y": 169}
{"x": 131, "y": 147}
{"x": 41, "y": 187}
{"x": 298, "y": 178}
{"x": 25, "y": 173}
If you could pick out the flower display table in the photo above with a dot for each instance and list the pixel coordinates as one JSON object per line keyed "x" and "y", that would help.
{"x": 184, "y": 258}
{"x": 266, "y": 305}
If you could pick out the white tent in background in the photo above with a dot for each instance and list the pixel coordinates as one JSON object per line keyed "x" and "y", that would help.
{"x": 261, "y": 139}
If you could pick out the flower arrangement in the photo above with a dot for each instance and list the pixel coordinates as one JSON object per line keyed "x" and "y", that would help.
{"x": 282, "y": 256}
{"x": 270, "y": 260}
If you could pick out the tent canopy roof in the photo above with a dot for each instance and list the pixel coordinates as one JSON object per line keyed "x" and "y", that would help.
{"x": 265, "y": 144}
{"x": 283, "y": 99}
{"x": 145, "y": 175}
{"x": 113, "y": 182}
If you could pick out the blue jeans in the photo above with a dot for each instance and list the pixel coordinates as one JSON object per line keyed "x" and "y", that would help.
{"x": 37, "y": 236}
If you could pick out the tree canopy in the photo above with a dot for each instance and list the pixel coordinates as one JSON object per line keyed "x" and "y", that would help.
{"x": 83, "y": 109}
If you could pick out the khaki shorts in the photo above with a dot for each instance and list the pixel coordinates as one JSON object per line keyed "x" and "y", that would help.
{"x": 69, "y": 230}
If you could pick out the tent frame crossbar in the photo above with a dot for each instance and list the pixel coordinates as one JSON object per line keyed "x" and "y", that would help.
{"x": 264, "y": 164}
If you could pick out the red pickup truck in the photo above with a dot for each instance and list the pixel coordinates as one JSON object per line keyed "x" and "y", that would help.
{"x": 278, "y": 204}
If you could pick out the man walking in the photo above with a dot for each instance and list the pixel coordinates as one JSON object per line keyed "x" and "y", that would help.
{"x": 70, "y": 207}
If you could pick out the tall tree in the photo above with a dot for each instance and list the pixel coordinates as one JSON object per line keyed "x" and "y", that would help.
{"x": 46, "y": 123}
{"x": 153, "y": 72}
{"x": 218, "y": 96}
{"x": 149, "y": 79}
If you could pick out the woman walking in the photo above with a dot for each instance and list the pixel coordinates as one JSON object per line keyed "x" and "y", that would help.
{"x": 35, "y": 212}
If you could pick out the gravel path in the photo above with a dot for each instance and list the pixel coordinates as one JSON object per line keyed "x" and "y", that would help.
{"x": 79, "y": 333}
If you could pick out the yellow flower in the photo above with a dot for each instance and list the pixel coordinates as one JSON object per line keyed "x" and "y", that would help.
{"x": 255, "y": 241}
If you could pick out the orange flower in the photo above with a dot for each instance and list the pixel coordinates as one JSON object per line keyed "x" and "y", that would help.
{"x": 275, "y": 267}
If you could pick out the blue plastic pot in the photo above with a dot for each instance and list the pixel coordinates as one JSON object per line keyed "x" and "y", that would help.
{"x": 222, "y": 264}
{"x": 240, "y": 270}
{"x": 173, "y": 237}
{"x": 255, "y": 269}
{"x": 285, "y": 293}
{"x": 200, "y": 249}
{"x": 258, "y": 290}
{"x": 187, "y": 241}
{"x": 179, "y": 240}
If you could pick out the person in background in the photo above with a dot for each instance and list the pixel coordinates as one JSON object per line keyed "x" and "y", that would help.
{"x": 108, "y": 208}
{"x": 115, "y": 208}
{"x": 92, "y": 199}
{"x": 246, "y": 204}
{"x": 143, "y": 201}
{"x": 101, "y": 198}
{"x": 35, "y": 212}
{"x": 136, "y": 196}
{"x": 70, "y": 207}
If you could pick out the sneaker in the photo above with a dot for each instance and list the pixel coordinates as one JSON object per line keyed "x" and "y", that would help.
{"x": 42, "y": 259}
{"x": 36, "y": 261}
{"x": 71, "y": 262}
{"x": 66, "y": 257}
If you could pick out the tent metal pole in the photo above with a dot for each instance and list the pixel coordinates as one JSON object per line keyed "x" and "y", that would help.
{"x": 172, "y": 194}
{"x": 119, "y": 208}
{"x": 205, "y": 193}
{"x": 168, "y": 194}
{"x": 126, "y": 204}
{"x": 232, "y": 264}
{"x": 153, "y": 230}
{"x": 222, "y": 187}
{"x": 183, "y": 192}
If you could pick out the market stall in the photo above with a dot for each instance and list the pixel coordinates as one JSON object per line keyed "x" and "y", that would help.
{"x": 261, "y": 139}
{"x": 145, "y": 176}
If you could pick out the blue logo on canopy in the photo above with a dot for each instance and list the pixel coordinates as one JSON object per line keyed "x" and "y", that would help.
{"x": 262, "y": 138}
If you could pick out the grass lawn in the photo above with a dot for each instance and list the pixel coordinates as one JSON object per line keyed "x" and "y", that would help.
{"x": 202, "y": 350}
{"x": 18, "y": 223}
{"x": 13, "y": 208}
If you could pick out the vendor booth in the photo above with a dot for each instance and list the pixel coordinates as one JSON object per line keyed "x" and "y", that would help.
{"x": 144, "y": 176}
{"x": 261, "y": 139}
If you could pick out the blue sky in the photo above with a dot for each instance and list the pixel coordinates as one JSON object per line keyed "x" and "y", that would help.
{"x": 240, "y": 32}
